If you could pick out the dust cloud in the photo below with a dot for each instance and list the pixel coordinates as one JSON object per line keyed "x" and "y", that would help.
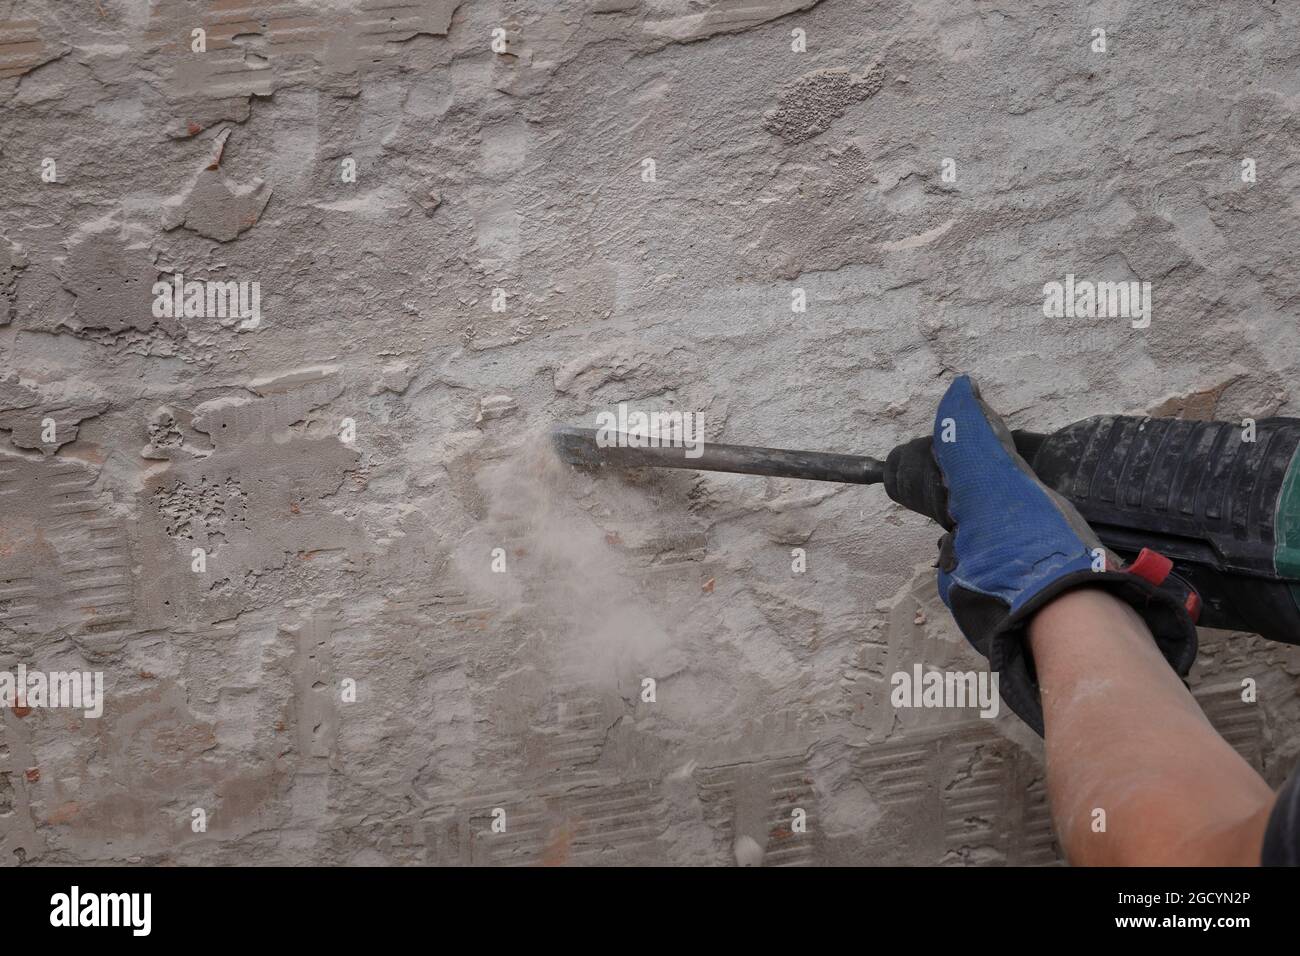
{"x": 550, "y": 557}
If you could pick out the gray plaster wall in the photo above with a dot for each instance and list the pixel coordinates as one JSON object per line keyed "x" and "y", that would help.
{"x": 522, "y": 169}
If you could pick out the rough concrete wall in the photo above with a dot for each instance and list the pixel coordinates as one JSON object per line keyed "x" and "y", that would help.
{"x": 370, "y": 560}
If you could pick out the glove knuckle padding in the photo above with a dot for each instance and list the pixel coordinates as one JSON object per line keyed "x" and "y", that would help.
{"x": 1030, "y": 540}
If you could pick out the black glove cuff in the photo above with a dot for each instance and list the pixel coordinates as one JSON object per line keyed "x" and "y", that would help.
{"x": 1001, "y": 637}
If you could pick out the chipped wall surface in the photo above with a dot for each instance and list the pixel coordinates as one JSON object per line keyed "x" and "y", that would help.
{"x": 350, "y": 461}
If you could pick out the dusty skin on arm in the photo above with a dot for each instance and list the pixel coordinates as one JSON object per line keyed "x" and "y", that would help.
{"x": 1126, "y": 737}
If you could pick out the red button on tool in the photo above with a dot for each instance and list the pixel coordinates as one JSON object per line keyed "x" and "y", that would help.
{"x": 1151, "y": 566}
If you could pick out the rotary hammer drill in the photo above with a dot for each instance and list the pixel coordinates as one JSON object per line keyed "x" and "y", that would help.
{"x": 1219, "y": 502}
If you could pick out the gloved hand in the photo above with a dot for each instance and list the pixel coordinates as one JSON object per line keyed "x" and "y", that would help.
{"x": 1014, "y": 545}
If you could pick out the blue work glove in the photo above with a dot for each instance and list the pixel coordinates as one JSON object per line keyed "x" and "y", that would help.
{"x": 1014, "y": 545}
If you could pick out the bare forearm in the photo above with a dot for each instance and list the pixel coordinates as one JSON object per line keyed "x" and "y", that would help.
{"x": 1126, "y": 738}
